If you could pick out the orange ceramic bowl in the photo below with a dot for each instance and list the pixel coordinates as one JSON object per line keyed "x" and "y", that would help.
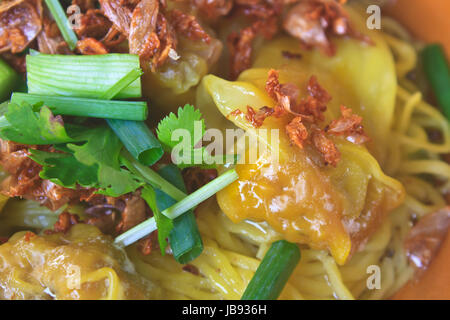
{"x": 427, "y": 20}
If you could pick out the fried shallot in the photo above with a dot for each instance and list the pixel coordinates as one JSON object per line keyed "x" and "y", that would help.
{"x": 348, "y": 125}
{"x": 20, "y": 23}
{"x": 314, "y": 22}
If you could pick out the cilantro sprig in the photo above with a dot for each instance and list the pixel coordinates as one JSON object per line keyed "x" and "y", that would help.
{"x": 112, "y": 157}
{"x": 183, "y": 144}
{"x": 93, "y": 163}
{"x": 24, "y": 125}
{"x": 187, "y": 119}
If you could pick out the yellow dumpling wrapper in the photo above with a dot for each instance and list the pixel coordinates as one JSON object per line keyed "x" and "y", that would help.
{"x": 326, "y": 207}
{"x": 333, "y": 208}
{"x": 80, "y": 264}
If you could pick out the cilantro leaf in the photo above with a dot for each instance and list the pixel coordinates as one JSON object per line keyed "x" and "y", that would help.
{"x": 184, "y": 152}
{"x": 64, "y": 170}
{"x": 102, "y": 149}
{"x": 163, "y": 223}
{"x": 29, "y": 127}
{"x": 93, "y": 163}
{"x": 186, "y": 119}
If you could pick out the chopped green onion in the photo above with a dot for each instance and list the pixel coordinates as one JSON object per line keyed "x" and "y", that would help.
{"x": 3, "y": 109}
{"x": 135, "y": 135}
{"x": 87, "y": 76}
{"x": 33, "y": 52}
{"x": 63, "y": 23}
{"x": 185, "y": 240}
{"x": 438, "y": 73}
{"x": 145, "y": 228}
{"x": 138, "y": 139}
{"x": 137, "y": 233}
{"x": 273, "y": 272}
{"x": 9, "y": 80}
{"x": 128, "y": 79}
{"x": 83, "y": 107}
{"x": 151, "y": 177}
{"x": 201, "y": 194}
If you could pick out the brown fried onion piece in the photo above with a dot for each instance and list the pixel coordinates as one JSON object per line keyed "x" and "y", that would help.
{"x": 93, "y": 24}
{"x": 90, "y": 46}
{"x": 313, "y": 22}
{"x": 20, "y": 23}
{"x": 214, "y": 9}
{"x": 24, "y": 181}
{"x": 151, "y": 31}
{"x": 348, "y": 125}
{"x": 50, "y": 39}
{"x": 308, "y": 112}
{"x": 119, "y": 14}
{"x": 189, "y": 26}
{"x": 240, "y": 44}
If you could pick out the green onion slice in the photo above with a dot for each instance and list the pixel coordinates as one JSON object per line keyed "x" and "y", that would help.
{"x": 273, "y": 272}
{"x": 127, "y": 80}
{"x": 83, "y": 107}
{"x": 135, "y": 135}
{"x": 61, "y": 20}
{"x": 145, "y": 228}
{"x": 151, "y": 177}
{"x": 185, "y": 240}
{"x": 138, "y": 139}
{"x": 9, "y": 80}
{"x": 437, "y": 71}
{"x": 81, "y": 76}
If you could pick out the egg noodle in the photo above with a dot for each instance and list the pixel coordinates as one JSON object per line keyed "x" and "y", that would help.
{"x": 232, "y": 252}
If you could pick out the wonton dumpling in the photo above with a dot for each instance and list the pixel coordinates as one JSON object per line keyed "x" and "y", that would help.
{"x": 80, "y": 264}
{"x": 326, "y": 207}
{"x": 334, "y": 208}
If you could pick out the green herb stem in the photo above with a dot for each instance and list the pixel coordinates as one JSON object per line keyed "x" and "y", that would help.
{"x": 164, "y": 224}
{"x": 83, "y": 107}
{"x": 201, "y": 194}
{"x": 138, "y": 139}
{"x": 191, "y": 201}
{"x": 151, "y": 177}
{"x": 438, "y": 73}
{"x": 9, "y": 80}
{"x": 273, "y": 272}
{"x": 120, "y": 85}
{"x": 184, "y": 238}
{"x": 60, "y": 17}
{"x": 135, "y": 135}
{"x": 137, "y": 233}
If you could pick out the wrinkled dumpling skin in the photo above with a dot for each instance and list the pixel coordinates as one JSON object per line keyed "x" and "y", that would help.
{"x": 48, "y": 266}
{"x": 174, "y": 83}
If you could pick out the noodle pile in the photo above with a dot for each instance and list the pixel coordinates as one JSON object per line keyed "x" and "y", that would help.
{"x": 233, "y": 251}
